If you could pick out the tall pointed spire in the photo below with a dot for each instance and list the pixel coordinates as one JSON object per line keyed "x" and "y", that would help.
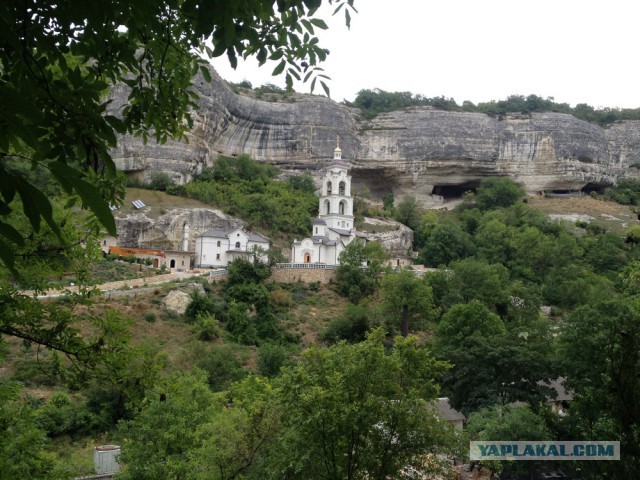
{"x": 337, "y": 153}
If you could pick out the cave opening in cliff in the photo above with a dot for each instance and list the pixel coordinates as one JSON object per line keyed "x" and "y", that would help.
{"x": 599, "y": 188}
{"x": 449, "y": 192}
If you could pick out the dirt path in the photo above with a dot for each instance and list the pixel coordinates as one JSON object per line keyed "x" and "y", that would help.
{"x": 123, "y": 284}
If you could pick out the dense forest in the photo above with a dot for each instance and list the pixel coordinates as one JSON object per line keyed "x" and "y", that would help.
{"x": 246, "y": 384}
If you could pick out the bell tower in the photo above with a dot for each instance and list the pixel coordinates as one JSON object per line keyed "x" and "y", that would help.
{"x": 336, "y": 203}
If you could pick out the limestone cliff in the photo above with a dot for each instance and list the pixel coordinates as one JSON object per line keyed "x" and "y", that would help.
{"x": 167, "y": 231}
{"x": 422, "y": 151}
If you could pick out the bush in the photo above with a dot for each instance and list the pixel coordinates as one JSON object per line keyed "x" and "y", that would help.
{"x": 199, "y": 305}
{"x": 207, "y": 327}
{"x": 352, "y": 326}
{"x": 61, "y": 416}
{"x": 223, "y": 367}
{"x": 160, "y": 181}
{"x": 281, "y": 298}
{"x": 271, "y": 358}
{"x": 150, "y": 317}
{"x": 497, "y": 192}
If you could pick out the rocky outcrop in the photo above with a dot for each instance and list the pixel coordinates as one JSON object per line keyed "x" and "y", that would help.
{"x": 167, "y": 231}
{"x": 396, "y": 238}
{"x": 429, "y": 153}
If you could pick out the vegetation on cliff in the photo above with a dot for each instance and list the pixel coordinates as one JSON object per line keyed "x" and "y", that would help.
{"x": 373, "y": 102}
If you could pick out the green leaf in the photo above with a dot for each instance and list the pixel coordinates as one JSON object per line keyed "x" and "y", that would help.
{"x": 294, "y": 73}
{"x": 307, "y": 25}
{"x": 91, "y": 197}
{"x": 318, "y": 22}
{"x": 10, "y": 233}
{"x": 205, "y": 73}
{"x": 279, "y": 69}
{"x": 277, "y": 55}
{"x": 325, "y": 88}
{"x": 8, "y": 257}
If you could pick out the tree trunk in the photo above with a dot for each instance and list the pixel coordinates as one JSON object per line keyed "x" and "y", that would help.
{"x": 405, "y": 320}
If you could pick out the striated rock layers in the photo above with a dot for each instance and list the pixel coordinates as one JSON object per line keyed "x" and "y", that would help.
{"x": 168, "y": 231}
{"x": 420, "y": 151}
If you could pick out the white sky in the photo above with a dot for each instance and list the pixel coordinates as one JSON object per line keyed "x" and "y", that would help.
{"x": 575, "y": 51}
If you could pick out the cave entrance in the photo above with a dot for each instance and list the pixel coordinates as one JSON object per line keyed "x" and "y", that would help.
{"x": 449, "y": 192}
{"x": 599, "y": 188}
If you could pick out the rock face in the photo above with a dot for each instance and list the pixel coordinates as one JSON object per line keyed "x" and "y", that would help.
{"x": 177, "y": 301}
{"x": 428, "y": 153}
{"x": 167, "y": 231}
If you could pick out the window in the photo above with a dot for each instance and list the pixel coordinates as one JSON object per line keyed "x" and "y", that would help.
{"x": 341, "y": 188}
{"x": 341, "y": 210}
{"x": 104, "y": 243}
{"x": 218, "y": 256}
{"x": 316, "y": 230}
{"x": 218, "y": 242}
{"x": 237, "y": 244}
{"x": 172, "y": 264}
{"x": 329, "y": 187}
{"x": 328, "y": 207}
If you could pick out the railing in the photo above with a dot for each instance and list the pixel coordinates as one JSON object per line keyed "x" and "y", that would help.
{"x": 306, "y": 266}
{"x": 218, "y": 272}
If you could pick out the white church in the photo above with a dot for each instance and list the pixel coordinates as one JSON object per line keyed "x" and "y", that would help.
{"x": 334, "y": 228}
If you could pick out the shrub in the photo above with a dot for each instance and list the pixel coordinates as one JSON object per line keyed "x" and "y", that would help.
{"x": 352, "y": 326}
{"x": 281, "y": 297}
{"x": 150, "y": 317}
{"x": 160, "y": 181}
{"x": 271, "y": 358}
{"x": 223, "y": 367}
{"x": 199, "y": 305}
{"x": 207, "y": 327}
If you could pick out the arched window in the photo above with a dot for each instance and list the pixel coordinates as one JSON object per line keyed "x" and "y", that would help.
{"x": 327, "y": 205}
{"x": 341, "y": 188}
{"x": 218, "y": 242}
{"x": 237, "y": 244}
{"x": 172, "y": 264}
{"x": 307, "y": 258}
{"x": 341, "y": 209}
{"x": 329, "y": 187}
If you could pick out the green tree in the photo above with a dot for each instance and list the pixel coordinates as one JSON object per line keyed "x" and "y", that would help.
{"x": 407, "y": 300}
{"x": 355, "y": 411}
{"x": 508, "y": 423}
{"x": 447, "y": 243}
{"x": 474, "y": 279}
{"x": 23, "y": 446}
{"x": 600, "y": 356}
{"x": 165, "y": 430}
{"x": 160, "y": 181}
{"x": 496, "y": 192}
{"x": 360, "y": 265}
{"x": 408, "y": 212}
{"x": 352, "y": 326}
{"x": 236, "y": 440}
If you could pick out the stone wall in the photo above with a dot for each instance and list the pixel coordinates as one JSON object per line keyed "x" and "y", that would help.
{"x": 286, "y": 275}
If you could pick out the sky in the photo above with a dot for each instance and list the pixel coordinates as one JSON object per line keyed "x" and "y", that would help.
{"x": 574, "y": 51}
